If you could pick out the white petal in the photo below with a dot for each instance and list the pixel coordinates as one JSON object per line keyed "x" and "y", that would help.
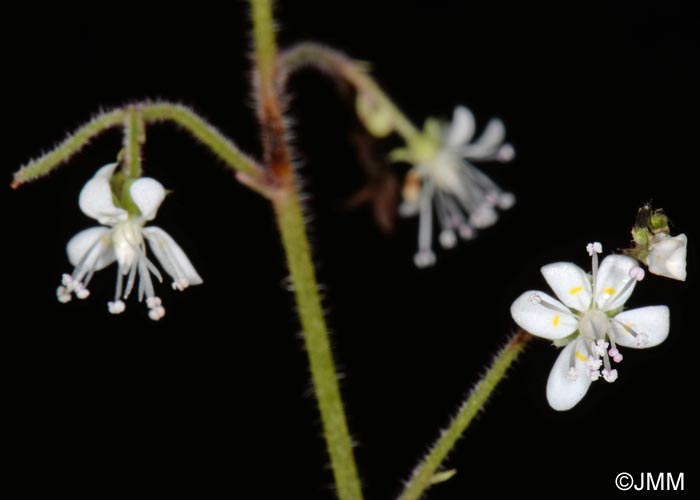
{"x": 96, "y": 198}
{"x": 147, "y": 194}
{"x": 487, "y": 145}
{"x": 613, "y": 275}
{"x": 570, "y": 283}
{"x": 667, "y": 256}
{"x": 171, "y": 256}
{"x": 94, "y": 241}
{"x": 563, "y": 392}
{"x": 461, "y": 130}
{"x": 540, "y": 320}
{"x": 653, "y": 322}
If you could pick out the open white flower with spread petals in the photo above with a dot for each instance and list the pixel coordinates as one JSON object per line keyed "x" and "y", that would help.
{"x": 121, "y": 239}
{"x": 588, "y": 319}
{"x": 442, "y": 176}
{"x": 667, "y": 256}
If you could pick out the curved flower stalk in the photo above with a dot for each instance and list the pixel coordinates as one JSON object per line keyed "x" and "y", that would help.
{"x": 442, "y": 177}
{"x": 121, "y": 238}
{"x": 588, "y": 320}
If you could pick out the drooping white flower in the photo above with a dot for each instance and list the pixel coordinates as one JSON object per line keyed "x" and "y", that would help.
{"x": 121, "y": 239}
{"x": 667, "y": 256}
{"x": 589, "y": 321}
{"x": 443, "y": 177}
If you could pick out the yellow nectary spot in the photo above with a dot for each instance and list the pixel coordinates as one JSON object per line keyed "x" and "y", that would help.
{"x": 581, "y": 357}
{"x": 576, "y": 290}
{"x": 609, "y": 291}
{"x": 628, "y": 325}
{"x": 555, "y": 320}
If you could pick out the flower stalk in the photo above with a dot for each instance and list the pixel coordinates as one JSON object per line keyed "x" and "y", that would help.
{"x": 424, "y": 474}
{"x": 75, "y": 142}
{"x": 373, "y": 102}
{"x": 134, "y": 137}
{"x": 150, "y": 112}
{"x": 290, "y": 221}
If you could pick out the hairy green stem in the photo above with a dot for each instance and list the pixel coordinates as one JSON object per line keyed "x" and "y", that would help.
{"x": 265, "y": 45}
{"x": 204, "y": 132}
{"x": 335, "y": 63}
{"x": 290, "y": 220}
{"x": 424, "y": 473}
{"x": 134, "y": 137}
{"x": 133, "y": 119}
{"x": 68, "y": 147}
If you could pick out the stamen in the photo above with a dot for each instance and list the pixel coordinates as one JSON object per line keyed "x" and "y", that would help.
{"x": 466, "y": 232}
{"x": 120, "y": 284}
{"x": 506, "y": 201}
{"x": 80, "y": 270}
{"x": 145, "y": 283}
{"x": 63, "y": 295}
{"x": 154, "y": 301}
{"x": 599, "y": 347}
{"x": 593, "y": 366}
{"x": 154, "y": 270}
{"x": 491, "y": 198}
{"x": 455, "y": 217}
{"x": 156, "y": 309}
{"x": 454, "y": 213}
{"x": 116, "y": 307}
{"x": 88, "y": 277}
{"x": 448, "y": 238}
{"x": 535, "y": 298}
{"x": 610, "y": 375}
{"x": 572, "y": 374}
{"x": 424, "y": 258}
{"x": 641, "y": 338}
{"x": 615, "y": 354}
{"x": 637, "y": 273}
{"x": 606, "y": 361}
{"x": 81, "y": 292}
{"x": 483, "y": 217}
{"x": 505, "y": 153}
{"x": 180, "y": 284}
{"x": 593, "y": 250}
{"x": 130, "y": 280}
{"x": 156, "y": 314}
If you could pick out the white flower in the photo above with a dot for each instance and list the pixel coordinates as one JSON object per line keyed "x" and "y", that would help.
{"x": 122, "y": 241}
{"x": 588, "y": 320}
{"x": 465, "y": 199}
{"x": 667, "y": 256}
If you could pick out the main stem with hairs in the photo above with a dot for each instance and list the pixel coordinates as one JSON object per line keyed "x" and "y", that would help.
{"x": 290, "y": 220}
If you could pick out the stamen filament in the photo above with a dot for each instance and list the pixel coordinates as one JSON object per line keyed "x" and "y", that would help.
{"x": 553, "y": 307}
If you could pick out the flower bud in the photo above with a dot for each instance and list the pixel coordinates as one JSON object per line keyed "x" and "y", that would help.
{"x": 667, "y": 256}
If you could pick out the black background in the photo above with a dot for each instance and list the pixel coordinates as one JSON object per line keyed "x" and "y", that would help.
{"x": 214, "y": 400}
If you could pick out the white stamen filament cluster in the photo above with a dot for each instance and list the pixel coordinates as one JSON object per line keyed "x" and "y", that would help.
{"x": 125, "y": 239}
